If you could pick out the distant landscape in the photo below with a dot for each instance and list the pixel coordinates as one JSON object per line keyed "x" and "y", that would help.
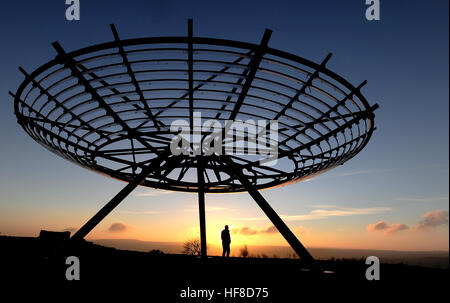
{"x": 44, "y": 260}
{"x": 434, "y": 259}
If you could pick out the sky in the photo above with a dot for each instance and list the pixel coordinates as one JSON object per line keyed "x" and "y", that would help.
{"x": 393, "y": 195}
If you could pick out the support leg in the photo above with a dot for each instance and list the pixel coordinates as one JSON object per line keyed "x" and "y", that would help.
{"x": 201, "y": 207}
{"x": 278, "y": 222}
{"x": 273, "y": 216}
{"x": 98, "y": 217}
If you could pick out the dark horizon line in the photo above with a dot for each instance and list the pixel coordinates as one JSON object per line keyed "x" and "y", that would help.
{"x": 249, "y": 245}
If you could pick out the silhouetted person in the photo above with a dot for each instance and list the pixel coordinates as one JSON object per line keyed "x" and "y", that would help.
{"x": 226, "y": 240}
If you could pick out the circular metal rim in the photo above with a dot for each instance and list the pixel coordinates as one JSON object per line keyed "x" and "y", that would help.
{"x": 202, "y": 41}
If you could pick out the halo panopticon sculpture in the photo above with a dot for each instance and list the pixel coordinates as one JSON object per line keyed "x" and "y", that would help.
{"x": 110, "y": 107}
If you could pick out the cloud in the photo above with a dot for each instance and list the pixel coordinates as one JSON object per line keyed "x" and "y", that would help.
{"x": 357, "y": 172}
{"x": 153, "y": 193}
{"x": 143, "y": 212}
{"x": 380, "y": 225}
{"x": 320, "y": 175}
{"x": 424, "y": 199}
{"x": 208, "y": 208}
{"x": 298, "y": 229}
{"x": 388, "y": 229}
{"x": 325, "y": 206}
{"x": 324, "y": 213}
{"x": 245, "y": 231}
{"x": 433, "y": 219}
{"x": 70, "y": 229}
{"x": 249, "y": 231}
{"x": 362, "y": 172}
{"x": 271, "y": 230}
{"x": 329, "y": 212}
{"x": 216, "y": 208}
{"x": 394, "y": 228}
{"x": 430, "y": 220}
{"x": 118, "y": 227}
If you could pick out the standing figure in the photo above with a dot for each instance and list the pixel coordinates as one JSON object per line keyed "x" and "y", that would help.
{"x": 226, "y": 240}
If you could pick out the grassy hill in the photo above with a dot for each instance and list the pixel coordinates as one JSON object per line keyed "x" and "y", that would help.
{"x": 434, "y": 259}
{"x": 28, "y": 260}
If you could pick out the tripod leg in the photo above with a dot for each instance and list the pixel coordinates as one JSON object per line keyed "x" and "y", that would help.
{"x": 102, "y": 213}
{"x": 201, "y": 207}
{"x": 296, "y": 245}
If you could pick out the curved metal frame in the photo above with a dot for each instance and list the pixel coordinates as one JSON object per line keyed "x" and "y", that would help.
{"x": 126, "y": 93}
{"x": 108, "y": 107}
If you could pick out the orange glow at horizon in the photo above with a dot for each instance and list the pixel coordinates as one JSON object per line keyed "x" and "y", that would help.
{"x": 181, "y": 224}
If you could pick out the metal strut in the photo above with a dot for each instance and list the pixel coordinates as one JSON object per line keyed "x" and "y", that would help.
{"x": 102, "y": 213}
{"x": 201, "y": 206}
{"x": 296, "y": 245}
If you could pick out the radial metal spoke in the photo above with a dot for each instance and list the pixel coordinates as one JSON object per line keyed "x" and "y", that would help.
{"x": 191, "y": 74}
{"x": 60, "y": 104}
{"x": 335, "y": 131}
{"x": 252, "y": 67}
{"x": 302, "y": 90}
{"x": 107, "y": 85}
{"x": 211, "y": 78}
{"x": 70, "y": 62}
{"x": 133, "y": 77}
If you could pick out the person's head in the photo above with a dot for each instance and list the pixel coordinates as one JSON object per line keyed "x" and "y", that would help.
{"x": 226, "y": 227}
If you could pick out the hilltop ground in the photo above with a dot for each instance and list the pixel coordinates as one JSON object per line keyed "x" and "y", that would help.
{"x": 168, "y": 275}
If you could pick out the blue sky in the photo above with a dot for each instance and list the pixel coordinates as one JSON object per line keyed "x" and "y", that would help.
{"x": 401, "y": 175}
